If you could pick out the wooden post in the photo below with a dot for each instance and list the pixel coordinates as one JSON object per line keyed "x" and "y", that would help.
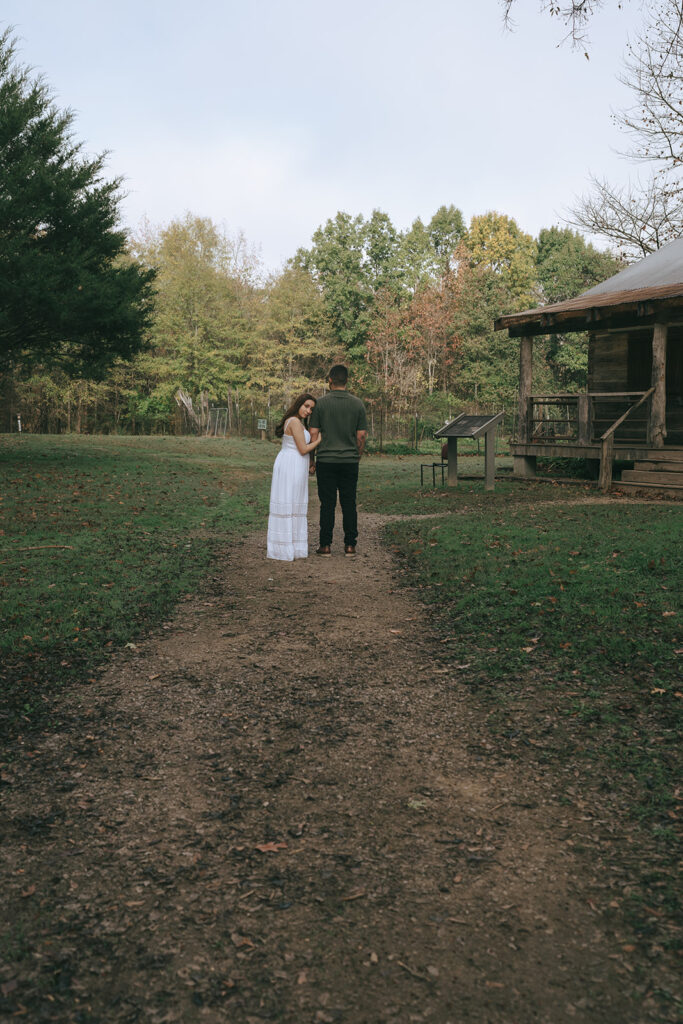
{"x": 452, "y": 462}
{"x": 583, "y": 416}
{"x": 606, "y": 456}
{"x": 658, "y": 382}
{"x": 526, "y": 352}
{"x": 490, "y": 458}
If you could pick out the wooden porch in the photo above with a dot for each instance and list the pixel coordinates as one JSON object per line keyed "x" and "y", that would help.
{"x": 605, "y": 426}
{"x": 632, "y": 410}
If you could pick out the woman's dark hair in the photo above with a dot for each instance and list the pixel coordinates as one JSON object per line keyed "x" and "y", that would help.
{"x": 293, "y": 411}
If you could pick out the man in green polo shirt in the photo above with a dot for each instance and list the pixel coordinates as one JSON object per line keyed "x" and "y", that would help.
{"x": 342, "y": 421}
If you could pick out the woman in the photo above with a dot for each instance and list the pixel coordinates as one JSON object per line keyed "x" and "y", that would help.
{"x": 287, "y": 522}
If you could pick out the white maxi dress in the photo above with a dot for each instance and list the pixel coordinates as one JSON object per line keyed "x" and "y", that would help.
{"x": 288, "y": 519}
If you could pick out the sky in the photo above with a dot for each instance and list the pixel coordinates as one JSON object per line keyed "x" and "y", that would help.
{"x": 269, "y": 116}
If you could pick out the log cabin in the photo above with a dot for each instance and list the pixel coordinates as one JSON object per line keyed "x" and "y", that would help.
{"x": 632, "y": 410}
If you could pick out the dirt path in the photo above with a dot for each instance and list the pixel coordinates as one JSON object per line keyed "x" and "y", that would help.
{"x": 281, "y": 807}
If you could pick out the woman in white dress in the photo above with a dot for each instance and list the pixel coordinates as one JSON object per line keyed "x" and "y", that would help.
{"x": 288, "y": 519}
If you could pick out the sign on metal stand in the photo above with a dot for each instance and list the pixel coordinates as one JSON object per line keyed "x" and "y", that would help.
{"x": 472, "y": 426}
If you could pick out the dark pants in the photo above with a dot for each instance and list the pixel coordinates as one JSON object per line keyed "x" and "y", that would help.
{"x": 333, "y": 477}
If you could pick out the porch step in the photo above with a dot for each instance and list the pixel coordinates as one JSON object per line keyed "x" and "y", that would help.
{"x": 643, "y": 474}
{"x": 664, "y": 466}
{"x": 659, "y": 466}
{"x": 660, "y": 490}
{"x": 674, "y": 455}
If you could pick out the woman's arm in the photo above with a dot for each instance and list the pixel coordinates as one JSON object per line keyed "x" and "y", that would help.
{"x": 296, "y": 428}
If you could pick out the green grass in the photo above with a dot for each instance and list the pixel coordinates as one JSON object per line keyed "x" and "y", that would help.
{"x": 391, "y": 484}
{"x": 574, "y": 610}
{"x": 594, "y": 587}
{"x": 100, "y": 537}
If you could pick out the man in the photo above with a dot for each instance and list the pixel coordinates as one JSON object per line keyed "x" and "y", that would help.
{"x": 341, "y": 419}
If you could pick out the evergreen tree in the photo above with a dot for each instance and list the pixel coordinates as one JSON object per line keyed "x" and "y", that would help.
{"x": 67, "y": 289}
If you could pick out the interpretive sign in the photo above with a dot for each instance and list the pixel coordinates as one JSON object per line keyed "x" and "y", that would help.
{"x": 472, "y": 426}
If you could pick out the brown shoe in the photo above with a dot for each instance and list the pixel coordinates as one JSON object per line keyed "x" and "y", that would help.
{"x": 349, "y": 550}
{"x": 324, "y": 550}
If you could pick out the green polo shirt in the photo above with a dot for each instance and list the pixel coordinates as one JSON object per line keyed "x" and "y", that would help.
{"x": 338, "y": 415}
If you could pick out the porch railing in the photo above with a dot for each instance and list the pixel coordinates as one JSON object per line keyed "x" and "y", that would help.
{"x": 583, "y": 418}
{"x": 607, "y": 441}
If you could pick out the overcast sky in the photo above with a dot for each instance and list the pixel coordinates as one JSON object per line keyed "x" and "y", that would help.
{"x": 270, "y": 115}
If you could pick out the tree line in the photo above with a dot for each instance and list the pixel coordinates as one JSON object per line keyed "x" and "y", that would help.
{"x": 410, "y": 312}
{"x": 100, "y": 331}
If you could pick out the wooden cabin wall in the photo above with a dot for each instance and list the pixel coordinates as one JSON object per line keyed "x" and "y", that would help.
{"x": 607, "y": 362}
{"x": 620, "y": 362}
{"x": 623, "y": 362}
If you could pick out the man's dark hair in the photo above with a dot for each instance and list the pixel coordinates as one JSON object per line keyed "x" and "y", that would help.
{"x": 339, "y": 376}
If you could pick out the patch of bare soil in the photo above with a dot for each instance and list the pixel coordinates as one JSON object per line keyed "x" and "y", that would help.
{"x": 283, "y": 807}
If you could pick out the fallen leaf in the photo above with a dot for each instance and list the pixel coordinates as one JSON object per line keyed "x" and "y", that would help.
{"x": 29, "y": 892}
{"x": 270, "y": 847}
{"x": 9, "y": 986}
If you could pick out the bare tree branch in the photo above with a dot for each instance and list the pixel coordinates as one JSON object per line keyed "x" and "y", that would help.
{"x": 653, "y": 70}
{"x": 575, "y": 16}
{"x": 636, "y": 219}
{"x": 640, "y": 217}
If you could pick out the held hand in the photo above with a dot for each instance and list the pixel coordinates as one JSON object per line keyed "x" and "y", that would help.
{"x": 311, "y": 469}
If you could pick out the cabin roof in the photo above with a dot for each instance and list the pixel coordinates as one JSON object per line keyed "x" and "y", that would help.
{"x": 634, "y": 295}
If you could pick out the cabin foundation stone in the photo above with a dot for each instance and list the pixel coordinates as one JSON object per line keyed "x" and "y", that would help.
{"x": 524, "y": 466}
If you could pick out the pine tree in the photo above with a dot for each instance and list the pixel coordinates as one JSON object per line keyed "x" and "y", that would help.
{"x": 68, "y": 291}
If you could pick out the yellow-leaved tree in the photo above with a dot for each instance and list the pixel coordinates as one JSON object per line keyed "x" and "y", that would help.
{"x": 496, "y": 242}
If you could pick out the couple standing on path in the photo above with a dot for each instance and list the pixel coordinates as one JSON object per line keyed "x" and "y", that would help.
{"x": 338, "y": 428}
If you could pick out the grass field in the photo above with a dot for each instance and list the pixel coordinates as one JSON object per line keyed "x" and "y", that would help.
{"x": 101, "y": 536}
{"x": 561, "y": 615}
{"x": 565, "y": 620}
{"x": 99, "y": 539}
